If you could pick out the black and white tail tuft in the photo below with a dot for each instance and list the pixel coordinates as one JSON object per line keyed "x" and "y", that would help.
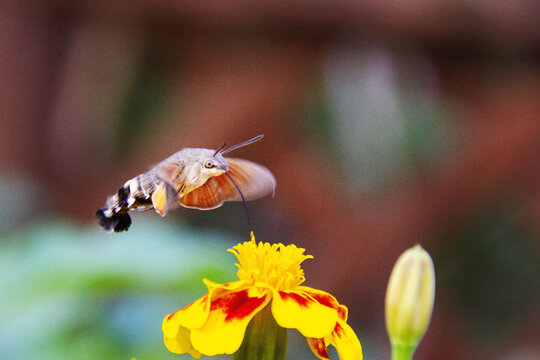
{"x": 117, "y": 222}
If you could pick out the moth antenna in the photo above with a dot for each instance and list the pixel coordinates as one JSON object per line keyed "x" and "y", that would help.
{"x": 243, "y": 201}
{"x": 248, "y": 142}
{"x": 223, "y": 146}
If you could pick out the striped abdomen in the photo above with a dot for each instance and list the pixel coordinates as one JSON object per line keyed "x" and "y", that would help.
{"x": 135, "y": 194}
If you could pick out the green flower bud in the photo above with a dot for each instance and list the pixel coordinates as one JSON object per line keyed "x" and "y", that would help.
{"x": 409, "y": 301}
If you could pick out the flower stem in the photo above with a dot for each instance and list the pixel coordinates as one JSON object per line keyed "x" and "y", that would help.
{"x": 264, "y": 339}
{"x": 402, "y": 351}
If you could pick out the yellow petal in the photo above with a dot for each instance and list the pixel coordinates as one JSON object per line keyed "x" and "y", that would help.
{"x": 326, "y": 299}
{"x": 195, "y": 315}
{"x": 195, "y": 353}
{"x": 318, "y": 346}
{"x": 233, "y": 285}
{"x": 181, "y": 343}
{"x": 299, "y": 310}
{"x": 345, "y": 341}
{"x": 192, "y": 316}
{"x": 229, "y": 316}
{"x": 343, "y": 312}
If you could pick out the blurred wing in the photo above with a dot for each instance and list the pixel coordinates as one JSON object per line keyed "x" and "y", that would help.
{"x": 168, "y": 170}
{"x": 164, "y": 198}
{"x": 254, "y": 180}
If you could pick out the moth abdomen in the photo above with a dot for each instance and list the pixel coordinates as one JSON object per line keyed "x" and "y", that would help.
{"x": 114, "y": 216}
{"x": 122, "y": 198}
{"x": 117, "y": 221}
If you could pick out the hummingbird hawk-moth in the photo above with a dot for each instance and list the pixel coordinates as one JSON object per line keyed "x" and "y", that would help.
{"x": 193, "y": 178}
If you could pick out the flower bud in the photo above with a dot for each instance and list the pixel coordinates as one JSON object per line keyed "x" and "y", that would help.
{"x": 409, "y": 299}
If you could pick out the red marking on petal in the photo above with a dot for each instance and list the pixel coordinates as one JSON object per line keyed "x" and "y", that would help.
{"x": 171, "y": 315}
{"x": 342, "y": 312}
{"x": 298, "y": 298}
{"x": 338, "y": 330}
{"x": 325, "y": 299}
{"x": 319, "y": 347}
{"x": 237, "y": 305}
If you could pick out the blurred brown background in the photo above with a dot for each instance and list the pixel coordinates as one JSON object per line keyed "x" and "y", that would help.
{"x": 386, "y": 124}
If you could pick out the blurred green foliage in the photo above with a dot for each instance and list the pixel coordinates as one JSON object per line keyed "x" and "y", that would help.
{"x": 489, "y": 270}
{"x": 146, "y": 97}
{"x": 69, "y": 292}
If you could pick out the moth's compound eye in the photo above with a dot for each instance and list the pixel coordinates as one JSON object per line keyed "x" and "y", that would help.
{"x": 209, "y": 164}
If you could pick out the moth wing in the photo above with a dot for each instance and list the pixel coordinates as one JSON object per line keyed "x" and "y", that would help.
{"x": 206, "y": 197}
{"x": 168, "y": 170}
{"x": 254, "y": 180}
{"x": 164, "y": 198}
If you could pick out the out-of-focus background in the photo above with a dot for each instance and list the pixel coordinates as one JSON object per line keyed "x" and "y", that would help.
{"x": 386, "y": 124}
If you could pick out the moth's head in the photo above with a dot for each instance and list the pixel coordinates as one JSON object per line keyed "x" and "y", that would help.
{"x": 214, "y": 165}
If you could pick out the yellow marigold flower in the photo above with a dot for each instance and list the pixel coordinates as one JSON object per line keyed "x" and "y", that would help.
{"x": 270, "y": 279}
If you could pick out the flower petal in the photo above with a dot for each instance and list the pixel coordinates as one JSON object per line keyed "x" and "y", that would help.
{"x": 345, "y": 341}
{"x": 233, "y": 285}
{"x": 343, "y": 312}
{"x": 299, "y": 310}
{"x": 327, "y": 299}
{"x": 181, "y": 343}
{"x": 318, "y": 346}
{"x": 229, "y": 316}
{"x": 194, "y": 315}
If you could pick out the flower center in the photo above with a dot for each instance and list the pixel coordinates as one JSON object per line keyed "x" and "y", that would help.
{"x": 276, "y": 265}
